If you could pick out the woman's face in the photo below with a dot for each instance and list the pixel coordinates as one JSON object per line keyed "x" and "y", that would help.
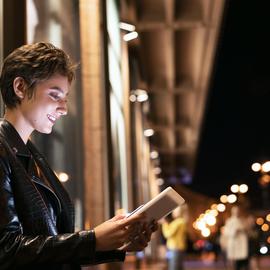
{"x": 47, "y": 105}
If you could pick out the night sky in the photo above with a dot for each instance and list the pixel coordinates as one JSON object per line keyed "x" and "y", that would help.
{"x": 236, "y": 128}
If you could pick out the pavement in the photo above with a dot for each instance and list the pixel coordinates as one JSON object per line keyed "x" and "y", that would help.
{"x": 194, "y": 264}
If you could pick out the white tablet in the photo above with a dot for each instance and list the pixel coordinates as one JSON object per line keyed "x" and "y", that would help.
{"x": 160, "y": 206}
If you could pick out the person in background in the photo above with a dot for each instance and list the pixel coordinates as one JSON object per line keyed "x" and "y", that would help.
{"x": 223, "y": 246}
{"x": 253, "y": 242}
{"x": 174, "y": 230}
{"x": 236, "y": 243}
{"x": 36, "y": 213}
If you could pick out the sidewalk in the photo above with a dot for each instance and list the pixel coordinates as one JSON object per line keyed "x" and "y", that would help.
{"x": 191, "y": 264}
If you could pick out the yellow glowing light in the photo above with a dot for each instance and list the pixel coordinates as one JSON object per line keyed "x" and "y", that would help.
{"x": 206, "y": 216}
{"x": 157, "y": 170}
{"x": 142, "y": 95}
{"x": 214, "y": 206}
{"x": 232, "y": 198}
{"x": 148, "y": 132}
{"x": 264, "y": 179}
{"x": 243, "y": 188}
{"x": 127, "y": 26}
{"x": 130, "y": 36}
{"x": 260, "y": 221}
{"x": 211, "y": 220}
{"x": 201, "y": 225}
{"x": 206, "y": 232}
{"x": 265, "y": 227}
{"x": 214, "y": 212}
{"x": 256, "y": 167}
{"x": 160, "y": 181}
{"x": 263, "y": 250}
{"x": 63, "y": 177}
{"x": 223, "y": 198}
{"x": 132, "y": 98}
{"x": 221, "y": 207}
{"x": 266, "y": 166}
{"x": 154, "y": 154}
{"x": 268, "y": 217}
{"x": 234, "y": 188}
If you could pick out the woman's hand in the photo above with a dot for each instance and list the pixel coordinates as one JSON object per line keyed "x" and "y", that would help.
{"x": 140, "y": 237}
{"x": 113, "y": 233}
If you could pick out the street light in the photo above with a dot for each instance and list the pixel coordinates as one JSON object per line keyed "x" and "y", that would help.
{"x": 263, "y": 180}
{"x": 263, "y": 168}
{"x": 243, "y": 188}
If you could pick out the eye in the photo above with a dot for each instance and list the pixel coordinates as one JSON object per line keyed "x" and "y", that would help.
{"x": 55, "y": 96}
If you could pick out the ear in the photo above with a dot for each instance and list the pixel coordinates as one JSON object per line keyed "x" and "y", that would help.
{"x": 19, "y": 87}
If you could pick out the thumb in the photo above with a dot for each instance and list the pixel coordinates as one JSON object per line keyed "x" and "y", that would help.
{"x": 118, "y": 217}
{"x": 132, "y": 219}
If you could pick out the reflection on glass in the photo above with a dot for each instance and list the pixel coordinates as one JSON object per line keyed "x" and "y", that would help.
{"x": 57, "y": 21}
{"x": 116, "y": 106}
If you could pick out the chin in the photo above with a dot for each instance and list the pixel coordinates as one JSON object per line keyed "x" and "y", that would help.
{"x": 45, "y": 131}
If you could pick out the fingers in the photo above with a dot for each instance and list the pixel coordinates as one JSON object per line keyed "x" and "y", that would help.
{"x": 137, "y": 243}
{"x": 154, "y": 225}
{"x": 118, "y": 217}
{"x": 119, "y": 231}
{"x": 144, "y": 228}
{"x": 109, "y": 235}
{"x": 147, "y": 232}
{"x": 140, "y": 236}
{"x": 132, "y": 219}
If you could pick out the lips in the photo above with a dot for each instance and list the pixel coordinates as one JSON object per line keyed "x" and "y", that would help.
{"x": 51, "y": 118}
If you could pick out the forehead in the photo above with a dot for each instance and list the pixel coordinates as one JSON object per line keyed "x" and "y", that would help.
{"x": 56, "y": 82}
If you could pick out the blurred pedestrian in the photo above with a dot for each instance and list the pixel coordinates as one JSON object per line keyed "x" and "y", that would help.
{"x": 253, "y": 242}
{"x": 223, "y": 246}
{"x": 236, "y": 243}
{"x": 174, "y": 230}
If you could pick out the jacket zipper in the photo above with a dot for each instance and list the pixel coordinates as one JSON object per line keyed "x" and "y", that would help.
{"x": 49, "y": 189}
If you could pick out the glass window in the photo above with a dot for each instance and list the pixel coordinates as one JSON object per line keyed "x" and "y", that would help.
{"x": 57, "y": 21}
{"x": 1, "y": 47}
{"x": 116, "y": 108}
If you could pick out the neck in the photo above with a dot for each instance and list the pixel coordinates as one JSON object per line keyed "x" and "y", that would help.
{"x": 15, "y": 118}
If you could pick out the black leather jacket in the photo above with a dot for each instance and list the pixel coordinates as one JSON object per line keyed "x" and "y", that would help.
{"x": 36, "y": 214}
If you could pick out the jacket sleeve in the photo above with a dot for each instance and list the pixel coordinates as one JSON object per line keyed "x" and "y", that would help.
{"x": 17, "y": 249}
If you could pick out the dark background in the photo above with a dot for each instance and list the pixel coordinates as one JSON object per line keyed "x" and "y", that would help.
{"x": 236, "y": 129}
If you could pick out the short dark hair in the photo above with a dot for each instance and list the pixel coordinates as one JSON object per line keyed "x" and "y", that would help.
{"x": 34, "y": 63}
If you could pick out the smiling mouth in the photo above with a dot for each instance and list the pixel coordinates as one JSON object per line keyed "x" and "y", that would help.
{"x": 51, "y": 118}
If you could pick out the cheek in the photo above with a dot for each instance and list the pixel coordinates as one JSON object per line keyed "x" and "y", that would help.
{"x": 37, "y": 115}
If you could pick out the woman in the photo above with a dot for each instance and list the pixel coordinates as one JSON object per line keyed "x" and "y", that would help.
{"x": 174, "y": 230}
{"x": 36, "y": 214}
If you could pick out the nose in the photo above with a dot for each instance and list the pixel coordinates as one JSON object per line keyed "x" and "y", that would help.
{"x": 62, "y": 108}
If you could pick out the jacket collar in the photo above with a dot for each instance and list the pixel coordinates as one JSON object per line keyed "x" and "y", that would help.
{"x": 11, "y": 137}
{"x": 14, "y": 139}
